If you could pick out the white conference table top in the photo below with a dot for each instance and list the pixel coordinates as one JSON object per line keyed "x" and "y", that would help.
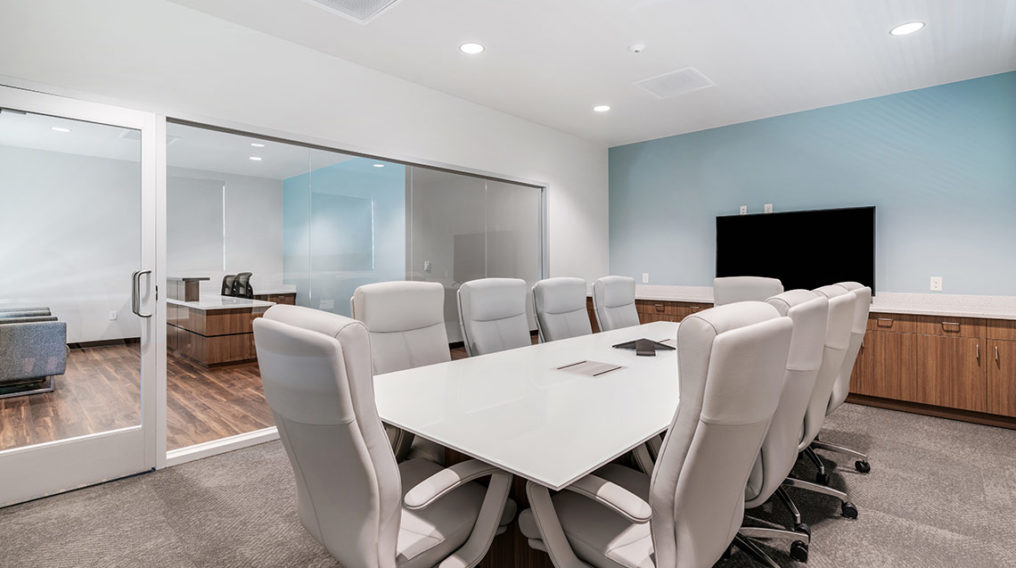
{"x": 517, "y": 411}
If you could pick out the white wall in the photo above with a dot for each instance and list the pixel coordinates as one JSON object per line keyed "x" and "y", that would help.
{"x": 69, "y": 238}
{"x": 159, "y": 56}
{"x": 197, "y": 244}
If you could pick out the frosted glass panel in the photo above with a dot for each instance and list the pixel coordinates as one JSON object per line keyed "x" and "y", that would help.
{"x": 194, "y": 243}
{"x": 342, "y": 230}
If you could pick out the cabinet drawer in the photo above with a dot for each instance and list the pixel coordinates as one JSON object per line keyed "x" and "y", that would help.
{"x": 893, "y": 322}
{"x": 1001, "y": 329}
{"x": 951, "y": 327}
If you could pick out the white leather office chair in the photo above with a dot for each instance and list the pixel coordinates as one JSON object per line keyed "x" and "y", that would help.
{"x": 732, "y": 361}
{"x": 405, "y": 322}
{"x": 560, "y": 305}
{"x": 730, "y": 289}
{"x": 809, "y": 312}
{"x": 841, "y": 389}
{"x": 837, "y": 342}
{"x": 614, "y": 302}
{"x": 352, "y": 496}
{"x": 492, "y": 313}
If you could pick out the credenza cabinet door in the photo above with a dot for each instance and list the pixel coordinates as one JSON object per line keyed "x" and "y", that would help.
{"x": 951, "y": 372}
{"x": 1001, "y": 362}
{"x": 885, "y": 366}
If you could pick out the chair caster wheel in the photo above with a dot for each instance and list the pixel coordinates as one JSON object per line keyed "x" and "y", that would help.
{"x": 803, "y": 528}
{"x": 822, "y": 478}
{"x": 848, "y": 510}
{"x": 799, "y": 551}
{"x": 862, "y": 466}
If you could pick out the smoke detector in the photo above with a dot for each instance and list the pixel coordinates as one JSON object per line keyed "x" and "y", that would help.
{"x": 360, "y": 11}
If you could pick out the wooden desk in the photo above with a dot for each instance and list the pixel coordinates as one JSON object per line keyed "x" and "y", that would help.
{"x": 214, "y": 331}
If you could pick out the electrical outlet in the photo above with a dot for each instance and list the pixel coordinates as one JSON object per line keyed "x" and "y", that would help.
{"x": 768, "y": 207}
{"x": 645, "y": 278}
{"x": 111, "y": 316}
{"x": 936, "y": 283}
{"x": 426, "y": 266}
{"x": 743, "y": 210}
{"x": 327, "y": 304}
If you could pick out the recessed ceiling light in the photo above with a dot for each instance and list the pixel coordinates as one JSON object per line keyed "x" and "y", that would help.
{"x": 255, "y": 158}
{"x": 907, "y": 28}
{"x": 257, "y": 144}
{"x": 601, "y": 108}
{"x": 379, "y": 165}
{"x": 59, "y": 129}
{"x": 471, "y": 48}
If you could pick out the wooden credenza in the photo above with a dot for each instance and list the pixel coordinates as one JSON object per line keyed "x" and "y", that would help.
{"x": 960, "y": 368}
{"x": 214, "y": 331}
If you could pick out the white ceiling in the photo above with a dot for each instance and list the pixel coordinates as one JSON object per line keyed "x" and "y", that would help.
{"x": 550, "y": 61}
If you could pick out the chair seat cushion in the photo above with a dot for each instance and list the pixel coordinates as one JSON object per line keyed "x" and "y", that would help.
{"x": 598, "y": 535}
{"x": 427, "y": 536}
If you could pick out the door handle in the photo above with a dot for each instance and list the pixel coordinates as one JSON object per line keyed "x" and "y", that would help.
{"x": 136, "y": 293}
{"x": 996, "y": 353}
{"x": 978, "y": 352}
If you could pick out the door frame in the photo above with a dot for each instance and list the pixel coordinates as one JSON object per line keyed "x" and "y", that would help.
{"x": 70, "y": 463}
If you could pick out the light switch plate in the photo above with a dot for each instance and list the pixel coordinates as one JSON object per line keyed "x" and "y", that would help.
{"x": 327, "y": 304}
{"x": 768, "y": 208}
{"x": 645, "y": 278}
{"x": 936, "y": 283}
{"x": 743, "y": 210}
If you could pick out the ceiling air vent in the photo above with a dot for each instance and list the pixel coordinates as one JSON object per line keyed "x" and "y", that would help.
{"x": 676, "y": 83}
{"x": 360, "y": 11}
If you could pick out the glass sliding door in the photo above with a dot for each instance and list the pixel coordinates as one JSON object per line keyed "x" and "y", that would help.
{"x": 78, "y": 318}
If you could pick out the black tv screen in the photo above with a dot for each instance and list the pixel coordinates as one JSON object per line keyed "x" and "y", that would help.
{"x": 804, "y": 249}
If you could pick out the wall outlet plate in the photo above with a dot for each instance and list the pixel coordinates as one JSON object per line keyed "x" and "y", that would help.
{"x": 936, "y": 283}
{"x": 645, "y": 278}
{"x": 768, "y": 208}
{"x": 743, "y": 210}
{"x": 111, "y": 316}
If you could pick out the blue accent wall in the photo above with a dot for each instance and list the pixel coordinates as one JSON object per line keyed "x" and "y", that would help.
{"x": 343, "y": 225}
{"x": 938, "y": 163}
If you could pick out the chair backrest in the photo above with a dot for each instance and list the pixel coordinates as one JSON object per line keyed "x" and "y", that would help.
{"x": 405, "y": 321}
{"x": 732, "y": 361}
{"x": 316, "y": 371}
{"x": 837, "y": 342}
{"x": 730, "y": 289}
{"x": 242, "y": 287}
{"x": 614, "y": 302}
{"x": 560, "y": 305}
{"x": 809, "y": 312}
{"x": 492, "y": 313}
{"x": 861, "y": 309}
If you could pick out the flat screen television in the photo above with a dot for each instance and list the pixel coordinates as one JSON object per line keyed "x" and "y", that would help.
{"x": 804, "y": 249}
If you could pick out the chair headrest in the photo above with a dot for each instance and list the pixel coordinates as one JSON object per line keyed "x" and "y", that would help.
{"x": 831, "y": 290}
{"x": 615, "y": 290}
{"x": 399, "y": 306}
{"x": 783, "y": 302}
{"x": 560, "y": 295}
{"x": 310, "y": 319}
{"x": 489, "y": 299}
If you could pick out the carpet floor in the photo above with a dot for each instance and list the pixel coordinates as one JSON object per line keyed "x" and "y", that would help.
{"x": 940, "y": 494}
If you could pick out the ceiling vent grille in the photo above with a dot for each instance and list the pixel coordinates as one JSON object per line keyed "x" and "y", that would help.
{"x": 676, "y": 83}
{"x": 360, "y": 11}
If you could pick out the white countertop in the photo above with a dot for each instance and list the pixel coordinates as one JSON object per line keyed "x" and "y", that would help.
{"x": 517, "y": 411}
{"x": 275, "y": 290}
{"x": 213, "y": 302}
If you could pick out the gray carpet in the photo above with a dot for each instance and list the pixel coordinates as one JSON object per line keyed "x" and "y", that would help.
{"x": 941, "y": 493}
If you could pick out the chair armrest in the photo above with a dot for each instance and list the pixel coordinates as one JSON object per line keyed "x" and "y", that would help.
{"x": 445, "y": 481}
{"x": 614, "y": 497}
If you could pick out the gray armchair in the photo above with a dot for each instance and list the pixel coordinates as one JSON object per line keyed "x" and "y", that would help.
{"x": 33, "y": 348}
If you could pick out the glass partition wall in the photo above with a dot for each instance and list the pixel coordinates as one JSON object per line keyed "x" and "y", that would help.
{"x": 307, "y": 226}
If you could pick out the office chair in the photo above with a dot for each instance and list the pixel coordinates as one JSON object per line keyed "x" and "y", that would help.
{"x": 560, "y": 305}
{"x": 837, "y": 341}
{"x": 227, "y": 285}
{"x": 842, "y": 387}
{"x": 809, "y": 313}
{"x": 405, "y": 322}
{"x": 352, "y": 496}
{"x": 492, "y": 313}
{"x": 732, "y": 361}
{"x": 730, "y": 289}
{"x": 242, "y": 287}
{"x": 614, "y": 302}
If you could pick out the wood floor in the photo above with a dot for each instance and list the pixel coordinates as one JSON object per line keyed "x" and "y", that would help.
{"x": 100, "y": 392}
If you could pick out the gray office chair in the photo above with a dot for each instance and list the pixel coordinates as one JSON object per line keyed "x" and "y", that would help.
{"x": 405, "y": 322}
{"x": 492, "y": 313}
{"x": 837, "y": 342}
{"x": 732, "y": 361}
{"x": 809, "y": 312}
{"x": 730, "y": 289}
{"x": 560, "y": 305}
{"x": 841, "y": 389}
{"x": 352, "y": 496}
{"x": 614, "y": 302}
